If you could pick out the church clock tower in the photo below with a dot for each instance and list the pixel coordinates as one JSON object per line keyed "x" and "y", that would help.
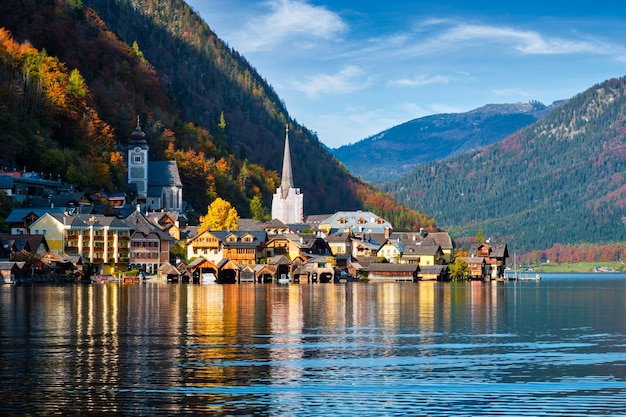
{"x": 138, "y": 163}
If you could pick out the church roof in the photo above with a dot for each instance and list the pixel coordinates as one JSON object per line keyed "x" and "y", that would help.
{"x": 287, "y": 175}
{"x": 163, "y": 173}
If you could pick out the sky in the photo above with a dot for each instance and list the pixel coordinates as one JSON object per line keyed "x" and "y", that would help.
{"x": 349, "y": 69}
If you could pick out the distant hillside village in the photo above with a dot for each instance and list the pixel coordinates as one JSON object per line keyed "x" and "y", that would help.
{"x": 59, "y": 233}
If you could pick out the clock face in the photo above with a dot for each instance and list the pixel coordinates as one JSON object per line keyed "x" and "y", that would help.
{"x": 137, "y": 149}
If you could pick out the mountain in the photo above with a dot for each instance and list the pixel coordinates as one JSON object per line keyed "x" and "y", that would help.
{"x": 561, "y": 179}
{"x": 396, "y": 151}
{"x": 75, "y": 75}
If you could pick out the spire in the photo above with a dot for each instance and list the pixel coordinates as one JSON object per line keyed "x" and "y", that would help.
{"x": 287, "y": 179}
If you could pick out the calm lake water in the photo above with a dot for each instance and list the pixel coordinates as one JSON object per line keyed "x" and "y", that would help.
{"x": 554, "y": 348}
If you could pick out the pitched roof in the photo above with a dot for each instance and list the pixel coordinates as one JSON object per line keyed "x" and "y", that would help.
{"x": 17, "y": 215}
{"x": 411, "y": 249}
{"x": 387, "y": 267}
{"x": 360, "y": 220}
{"x": 338, "y": 237}
{"x": 249, "y": 225}
{"x": 138, "y": 222}
{"x": 496, "y": 249}
{"x": 163, "y": 173}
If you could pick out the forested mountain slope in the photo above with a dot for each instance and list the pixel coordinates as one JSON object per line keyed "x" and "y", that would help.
{"x": 398, "y": 150}
{"x": 75, "y": 75}
{"x": 561, "y": 179}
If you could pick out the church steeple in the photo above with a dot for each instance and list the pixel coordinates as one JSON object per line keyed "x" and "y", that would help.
{"x": 287, "y": 177}
{"x": 287, "y": 202}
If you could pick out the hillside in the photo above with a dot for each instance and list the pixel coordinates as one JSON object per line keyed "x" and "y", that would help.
{"x": 77, "y": 73}
{"x": 390, "y": 154}
{"x": 561, "y": 179}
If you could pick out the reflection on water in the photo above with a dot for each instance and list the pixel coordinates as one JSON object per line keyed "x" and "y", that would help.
{"x": 554, "y": 347}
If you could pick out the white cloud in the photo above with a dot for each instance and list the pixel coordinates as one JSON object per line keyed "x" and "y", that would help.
{"x": 420, "y": 81}
{"x": 525, "y": 41}
{"x": 288, "y": 20}
{"x": 347, "y": 80}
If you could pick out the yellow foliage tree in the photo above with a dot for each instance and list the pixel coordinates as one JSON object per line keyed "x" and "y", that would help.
{"x": 221, "y": 215}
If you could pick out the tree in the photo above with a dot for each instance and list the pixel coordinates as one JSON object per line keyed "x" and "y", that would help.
{"x": 258, "y": 211}
{"x": 480, "y": 237}
{"x": 459, "y": 269}
{"x": 221, "y": 215}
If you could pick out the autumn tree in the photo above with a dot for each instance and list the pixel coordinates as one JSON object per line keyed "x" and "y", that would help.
{"x": 459, "y": 269}
{"x": 258, "y": 211}
{"x": 221, "y": 215}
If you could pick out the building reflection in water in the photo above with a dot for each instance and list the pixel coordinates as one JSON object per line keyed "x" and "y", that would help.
{"x": 112, "y": 342}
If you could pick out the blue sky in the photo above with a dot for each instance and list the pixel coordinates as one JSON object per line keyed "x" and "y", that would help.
{"x": 350, "y": 69}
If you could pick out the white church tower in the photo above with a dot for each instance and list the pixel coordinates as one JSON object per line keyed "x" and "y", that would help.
{"x": 138, "y": 163}
{"x": 287, "y": 203}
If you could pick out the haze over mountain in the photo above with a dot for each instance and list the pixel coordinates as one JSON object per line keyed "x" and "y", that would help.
{"x": 561, "y": 179}
{"x": 396, "y": 151}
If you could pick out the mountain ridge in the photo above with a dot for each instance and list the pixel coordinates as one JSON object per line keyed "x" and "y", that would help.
{"x": 395, "y": 151}
{"x": 559, "y": 180}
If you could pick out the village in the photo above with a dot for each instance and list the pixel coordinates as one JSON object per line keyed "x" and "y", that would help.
{"x": 61, "y": 234}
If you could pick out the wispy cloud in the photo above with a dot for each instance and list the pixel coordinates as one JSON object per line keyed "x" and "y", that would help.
{"x": 288, "y": 20}
{"x": 420, "y": 81}
{"x": 347, "y": 80}
{"x": 524, "y": 41}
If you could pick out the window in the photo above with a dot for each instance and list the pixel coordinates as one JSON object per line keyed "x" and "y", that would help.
{"x": 137, "y": 159}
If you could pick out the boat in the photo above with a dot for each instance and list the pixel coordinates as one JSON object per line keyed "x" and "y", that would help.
{"x": 283, "y": 279}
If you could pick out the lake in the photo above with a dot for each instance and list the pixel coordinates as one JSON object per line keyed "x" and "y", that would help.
{"x": 555, "y": 347}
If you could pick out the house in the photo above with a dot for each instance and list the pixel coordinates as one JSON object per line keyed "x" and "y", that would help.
{"x": 11, "y": 272}
{"x": 242, "y": 247}
{"x": 477, "y": 266}
{"x": 168, "y": 272}
{"x": 442, "y": 239}
{"x": 363, "y": 246}
{"x": 494, "y": 255}
{"x": 316, "y": 269}
{"x": 149, "y": 245}
{"x": 20, "y": 219}
{"x": 276, "y": 227}
{"x": 340, "y": 243}
{"x": 206, "y": 244}
{"x": 104, "y": 241}
{"x": 64, "y": 264}
{"x": 203, "y": 271}
{"x": 170, "y": 222}
{"x": 282, "y": 244}
{"x": 282, "y": 267}
{"x": 433, "y": 273}
{"x": 52, "y": 226}
{"x": 391, "y": 250}
{"x": 228, "y": 272}
{"x": 35, "y": 244}
{"x": 392, "y": 272}
{"x": 313, "y": 221}
{"x": 424, "y": 255}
